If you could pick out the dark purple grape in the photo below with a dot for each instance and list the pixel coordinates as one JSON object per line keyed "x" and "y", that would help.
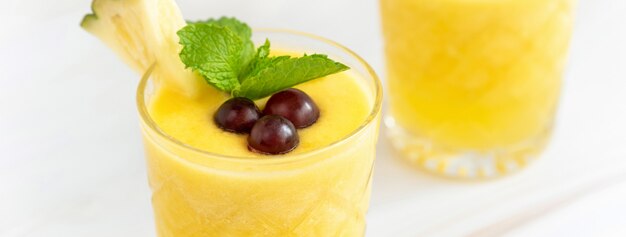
{"x": 237, "y": 115}
{"x": 294, "y": 105}
{"x": 273, "y": 135}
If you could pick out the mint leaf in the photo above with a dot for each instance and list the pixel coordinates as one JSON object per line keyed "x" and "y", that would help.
{"x": 277, "y": 73}
{"x": 241, "y": 29}
{"x": 215, "y": 52}
{"x": 222, "y": 51}
{"x": 264, "y": 50}
{"x": 261, "y": 61}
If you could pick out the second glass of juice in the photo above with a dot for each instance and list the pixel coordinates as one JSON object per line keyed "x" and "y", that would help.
{"x": 474, "y": 84}
{"x": 320, "y": 191}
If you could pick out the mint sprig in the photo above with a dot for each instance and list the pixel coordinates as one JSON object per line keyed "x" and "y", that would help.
{"x": 240, "y": 29}
{"x": 213, "y": 51}
{"x": 223, "y": 53}
{"x": 284, "y": 72}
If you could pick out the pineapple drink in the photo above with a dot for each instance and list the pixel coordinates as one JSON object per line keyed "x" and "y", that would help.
{"x": 318, "y": 189}
{"x": 474, "y": 84}
{"x": 207, "y": 180}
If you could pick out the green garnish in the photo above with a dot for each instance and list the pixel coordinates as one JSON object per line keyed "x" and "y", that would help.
{"x": 223, "y": 53}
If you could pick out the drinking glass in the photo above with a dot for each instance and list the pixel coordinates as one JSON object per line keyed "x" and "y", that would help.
{"x": 473, "y": 84}
{"x": 324, "y": 192}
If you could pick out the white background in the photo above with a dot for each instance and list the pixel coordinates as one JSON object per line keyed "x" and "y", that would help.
{"x": 71, "y": 161}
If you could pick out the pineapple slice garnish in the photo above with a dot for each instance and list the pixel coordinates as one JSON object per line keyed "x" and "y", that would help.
{"x": 142, "y": 33}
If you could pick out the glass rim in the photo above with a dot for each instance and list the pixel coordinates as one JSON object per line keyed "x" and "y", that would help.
{"x": 372, "y": 116}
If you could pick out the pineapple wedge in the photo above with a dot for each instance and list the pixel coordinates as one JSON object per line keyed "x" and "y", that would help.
{"x": 142, "y": 33}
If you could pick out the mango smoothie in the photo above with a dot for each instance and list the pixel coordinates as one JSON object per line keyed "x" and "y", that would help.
{"x": 474, "y": 84}
{"x": 244, "y": 137}
{"x": 206, "y": 182}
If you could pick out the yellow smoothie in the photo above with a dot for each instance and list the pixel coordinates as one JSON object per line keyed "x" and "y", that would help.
{"x": 223, "y": 189}
{"x": 204, "y": 180}
{"x": 190, "y": 120}
{"x": 475, "y": 75}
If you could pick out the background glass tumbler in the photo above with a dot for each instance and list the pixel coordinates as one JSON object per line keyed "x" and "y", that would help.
{"x": 474, "y": 84}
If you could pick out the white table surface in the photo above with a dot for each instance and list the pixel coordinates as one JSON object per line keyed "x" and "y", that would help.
{"x": 71, "y": 161}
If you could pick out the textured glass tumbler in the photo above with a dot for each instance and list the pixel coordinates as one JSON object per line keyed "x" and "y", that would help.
{"x": 324, "y": 192}
{"x": 473, "y": 84}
